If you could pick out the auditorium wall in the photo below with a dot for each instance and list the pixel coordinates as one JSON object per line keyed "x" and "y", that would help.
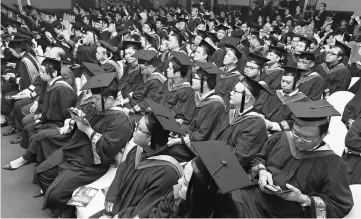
{"x": 44, "y": 4}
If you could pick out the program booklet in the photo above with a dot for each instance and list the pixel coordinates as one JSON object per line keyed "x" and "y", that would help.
{"x": 83, "y": 196}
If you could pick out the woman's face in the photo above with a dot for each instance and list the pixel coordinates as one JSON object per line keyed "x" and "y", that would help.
{"x": 141, "y": 135}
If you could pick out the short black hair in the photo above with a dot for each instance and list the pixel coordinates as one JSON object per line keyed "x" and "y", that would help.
{"x": 324, "y": 4}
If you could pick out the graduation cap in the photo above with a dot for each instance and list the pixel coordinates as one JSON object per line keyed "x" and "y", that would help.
{"x": 344, "y": 47}
{"x": 196, "y": 5}
{"x": 181, "y": 58}
{"x": 215, "y": 161}
{"x": 182, "y": 20}
{"x": 273, "y": 40}
{"x": 207, "y": 70}
{"x": 209, "y": 48}
{"x": 150, "y": 39}
{"x": 202, "y": 33}
{"x": 305, "y": 40}
{"x": 122, "y": 30}
{"x": 307, "y": 55}
{"x": 12, "y": 22}
{"x": 165, "y": 117}
{"x": 258, "y": 60}
{"x": 26, "y": 32}
{"x": 222, "y": 27}
{"x": 92, "y": 69}
{"x": 107, "y": 46}
{"x": 255, "y": 27}
{"x": 77, "y": 25}
{"x": 99, "y": 82}
{"x": 280, "y": 51}
{"x": 135, "y": 44}
{"x": 144, "y": 55}
{"x": 312, "y": 113}
{"x": 213, "y": 37}
{"x": 233, "y": 47}
{"x": 56, "y": 24}
{"x": 237, "y": 33}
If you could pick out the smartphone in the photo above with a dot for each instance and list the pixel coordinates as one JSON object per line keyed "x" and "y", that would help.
{"x": 284, "y": 191}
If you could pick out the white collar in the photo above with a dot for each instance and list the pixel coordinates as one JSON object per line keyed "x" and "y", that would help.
{"x": 204, "y": 96}
{"x": 50, "y": 83}
{"x": 245, "y": 111}
{"x": 290, "y": 94}
{"x": 105, "y": 61}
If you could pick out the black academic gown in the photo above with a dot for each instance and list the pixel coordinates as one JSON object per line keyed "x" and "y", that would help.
{"x": 244, "y": 134}
{"x": 312, "y": 85}
{"x": 275, "y": 109}
{"x": 352, "y": 158}
{"x": 179, "y": 99}
{"x": 321, "y": 175}
{"x": 218, "y": 57}
{"x": 338, "y": 78}
{"x": 352, "y": 109}
{"x": 137, "y": 185}
{"x": 208, "y": 113}
{"x": 131, "y": 81}
{"x": 291, "y": 60}
{"x": 82, "y": 161}
{"x": 226, "y": 82}
{"x": 272, "y": 77}
{"x": 54, "y": 102}
{"x": 47, "y": 141}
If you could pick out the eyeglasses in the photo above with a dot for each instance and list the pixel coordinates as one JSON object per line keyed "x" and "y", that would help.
{"x": 331, "y": 53}
{"x": 137, "y": 129}
{"x": 297, "y": 135}
{"x": 238, "y": 92}
{"x": 251, "y": 67}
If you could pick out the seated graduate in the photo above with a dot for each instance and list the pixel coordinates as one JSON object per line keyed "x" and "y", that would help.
{"x": 24, "y": 74}
{"x": 227, "y": 81}
{"x": 106, "y": 60}
{"x": 299, "y": 174}
{"x": 254, "y": 66}
{"x": 209, "y": 109}
{"x": 174, "y": 45}
{"x": 206, "y": 184}
{"x": 153, "y": 80}
{"x": 299, "y": 44}
{"x": 352, "y": 157}
{"x": 352, "y": 110}
{"x": 176, "y": 93}
{"x": 131, "y": 79}
{"x": 274, "y": 107}
{"x": 272, "y": 72}
{"x": 149, "y": 169}
{"x": 43, "y": 142}
{"x": 56, "y": 97}
{"x": 149, "y": 42}
{"x": 218, "y": 55}
{"x": 311, "y": 83}
{"x": 336, "y": 74}
{"x": 91, "y": 149}
{"x": 241, "y": 127}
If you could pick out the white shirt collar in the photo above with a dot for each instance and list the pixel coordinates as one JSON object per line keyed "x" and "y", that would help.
{"x": 290, "y": 94}
{"x": 53, "y": 80}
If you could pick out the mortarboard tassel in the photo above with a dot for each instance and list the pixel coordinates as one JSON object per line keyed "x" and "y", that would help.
{"x": 202, "y": 82}
{"x": 243, "y": 102}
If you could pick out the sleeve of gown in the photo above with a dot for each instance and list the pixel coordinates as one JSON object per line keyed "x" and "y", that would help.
{"x": 108, "y": 144}
{"x": 261, "y": 157}
{"x": 160, "y": 208}
{"x": 349, "y": 109}
{"x": 335, "y": 197}
{"x": 184, "y": 106}
{"x": 109, "y": 68}
{"x": 317, "y": 89}
{"x": 250, "y": 141}
{"x": 161, "y": 181}
{"x": 62, "y": 99}
{"x": 150, "y": 93}
{"x": 203, "y": 133}
{"x": 23, "y": 73}
{"x": 158, "y": 95}
{"x": 353, "y": 137}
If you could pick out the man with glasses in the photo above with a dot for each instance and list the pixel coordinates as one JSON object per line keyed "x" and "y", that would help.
{"x": 242, "y": 127}
{"x": 299, "y": 44}
{"x": 299, "y": 174}
{"x": 336, "y": 74}
{"x": 311, "y": 83}
{"x": 254, "y": 66}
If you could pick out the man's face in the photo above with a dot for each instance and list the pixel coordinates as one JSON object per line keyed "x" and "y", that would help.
{"x": 332, "y": 55}
{"x": 159, "y": 25}
{"x": 197, "y": 40}
{"x": 164, "y": 45}
{"x": 173, "y": 42}
{"x": 146, "y": 28}
{"x": 129, "y": 52}
{"x": 229, "y": 58}
{"x": 304, "y": 64}
{"x": 221, "y": 34}
{"x": 244, "y": 28}
{"x": 196, "y": 82}
{"x": 100, "y": 54}
{"x": 43, "y": 75}
{"x": 182, "y": 25}
{"x": 306, "y": 138}
{"x": 295, "y": 41}
{"x": 301, "y": 47}
{"x": 287, "y": 84}
{"x": 252, "y": 70}
{"x": 200, "y": 54}
{"x": 273, "y": 57}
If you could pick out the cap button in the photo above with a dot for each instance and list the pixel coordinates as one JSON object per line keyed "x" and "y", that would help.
{"x": 224, "y": 162}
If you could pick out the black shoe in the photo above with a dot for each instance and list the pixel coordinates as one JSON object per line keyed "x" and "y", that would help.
{"x": 39, "y": 194}
{"x": 16, "y": 141}
{"x": 11, "y": 131}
